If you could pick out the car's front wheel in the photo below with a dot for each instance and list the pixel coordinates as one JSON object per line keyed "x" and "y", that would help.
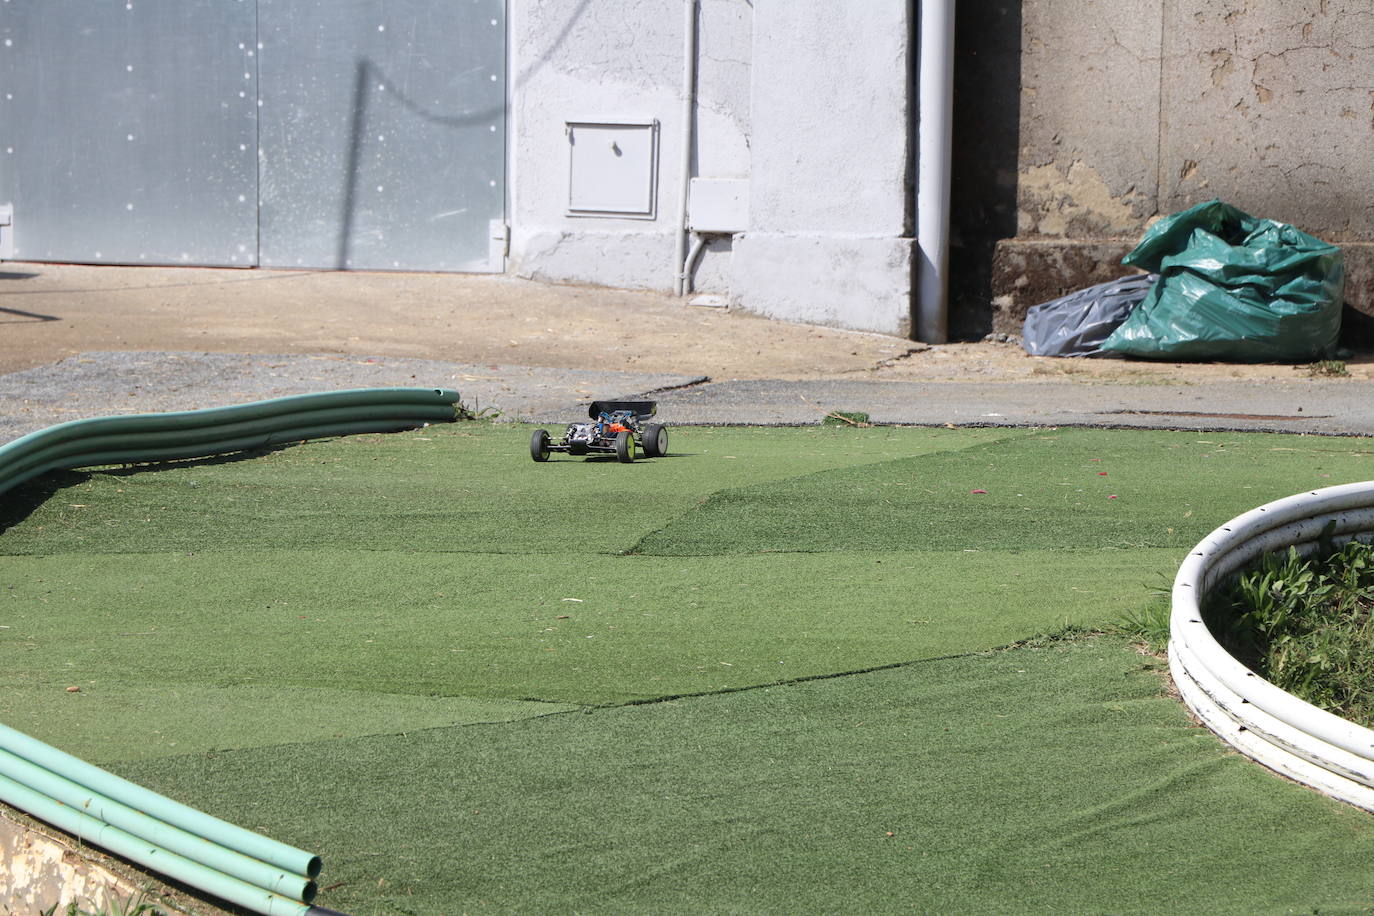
{"x": 539, "y": 445}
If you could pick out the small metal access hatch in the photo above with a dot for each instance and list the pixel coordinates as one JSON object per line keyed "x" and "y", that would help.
{"x": 613, "y": 169}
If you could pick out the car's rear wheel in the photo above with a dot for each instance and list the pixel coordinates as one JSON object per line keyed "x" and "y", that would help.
{"x": 625, "y": 446}
{"x": 539, "y": 445}
{"x": 655, "y": 440}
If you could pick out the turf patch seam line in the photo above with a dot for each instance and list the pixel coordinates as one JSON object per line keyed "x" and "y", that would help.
{"x": 634, "y": 549}
{"x": 1036, "y": 641}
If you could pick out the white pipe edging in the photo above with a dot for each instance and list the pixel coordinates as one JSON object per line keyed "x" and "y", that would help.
{"x": 935, "y": 114}
{"x": 1269, "y": 725}
{"x": 689, "y": 98}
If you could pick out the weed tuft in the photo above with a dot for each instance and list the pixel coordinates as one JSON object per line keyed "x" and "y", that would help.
{"x": 476, "y": 412}
{"x": 1306, "y": 625}
{"x": 1148, "y": 625}
{"x": 1064, "y": 632}
{"x": 137, "y": 905}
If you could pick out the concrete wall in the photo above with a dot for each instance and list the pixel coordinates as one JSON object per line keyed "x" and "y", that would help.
{"x": 39, "y": 871}
{"x": 1131, "y": 109}
{"x": 819, "y": 132}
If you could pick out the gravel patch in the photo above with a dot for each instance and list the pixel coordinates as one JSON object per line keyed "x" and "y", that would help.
{"x": 112, "y": 383}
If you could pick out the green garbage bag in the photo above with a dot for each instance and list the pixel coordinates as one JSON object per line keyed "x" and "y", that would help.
{"x": 1233, "y": 288}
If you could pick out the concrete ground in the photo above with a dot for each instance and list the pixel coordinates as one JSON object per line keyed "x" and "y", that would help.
{"x": 82, "y": 341}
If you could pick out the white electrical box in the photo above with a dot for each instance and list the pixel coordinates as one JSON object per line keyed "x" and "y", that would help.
{"x": 613, "y": 169}
{"x": 718, "y": 205}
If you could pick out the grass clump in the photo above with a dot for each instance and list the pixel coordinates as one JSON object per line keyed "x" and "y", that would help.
{"x": 1330, "y": 368}
{"x": 857, "y": 418}
{"x": 1305, "y": 624}
{"x": 136, "y": 905}
{"x": 1148, "y": 626}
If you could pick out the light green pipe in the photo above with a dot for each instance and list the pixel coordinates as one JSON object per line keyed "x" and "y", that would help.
{"x": 110, "y": 786}
{"x": 125, "y": 844}
{"x": 112, "y": 812}
{"x": 102, "y": 810}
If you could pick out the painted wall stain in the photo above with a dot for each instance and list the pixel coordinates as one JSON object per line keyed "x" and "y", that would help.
{"x": 1075, "y": 202}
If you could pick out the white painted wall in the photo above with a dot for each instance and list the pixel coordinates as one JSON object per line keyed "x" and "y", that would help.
{"x": 806, "y": 99}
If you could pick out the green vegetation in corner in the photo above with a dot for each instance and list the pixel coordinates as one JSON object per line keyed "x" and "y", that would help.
{"x": 1305, "y": 624}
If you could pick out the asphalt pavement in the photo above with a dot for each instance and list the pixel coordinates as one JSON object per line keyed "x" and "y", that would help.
{"x": 99, "y": 383}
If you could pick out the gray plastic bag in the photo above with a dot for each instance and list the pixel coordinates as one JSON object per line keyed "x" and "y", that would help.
{"x": 1077, "y": 324}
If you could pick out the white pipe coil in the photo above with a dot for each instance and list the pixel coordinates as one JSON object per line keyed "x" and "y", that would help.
{"x": 1266, "y": 724}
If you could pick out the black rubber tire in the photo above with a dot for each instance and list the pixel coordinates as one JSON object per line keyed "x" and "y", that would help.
{"x": 655, "y": 440}
{"x": 539, "y": 445}
{"x": 625, "y": 447}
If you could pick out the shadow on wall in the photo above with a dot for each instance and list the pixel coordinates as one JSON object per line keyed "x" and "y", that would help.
{"x": 987, "y": 128}
{"x": 370, "y": 79}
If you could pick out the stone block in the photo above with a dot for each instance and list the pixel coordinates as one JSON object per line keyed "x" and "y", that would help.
{"x": 1029, "y": 272}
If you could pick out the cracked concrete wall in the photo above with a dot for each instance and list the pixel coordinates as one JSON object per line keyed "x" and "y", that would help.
{"x": 1089, "y": 117}
{"x": 1270, "y": 105}
{"x": 1132, "y": 109}
{"x": 38, "y": 872}
{"x": 819, "y": 132}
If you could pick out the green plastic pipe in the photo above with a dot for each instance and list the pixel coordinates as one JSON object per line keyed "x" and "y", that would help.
{"x": 216, "y": 416}
{"x": 109, "y": 449}
{"x": 101, "y": 810}
{"x": 205, "y": 449}
{"x": 369, "y": 401}
{"x": 123, "y": 843}
{"x": 44, "y": 451}
{"x": 191, "y": 846}
{"x": 217, "y": 430}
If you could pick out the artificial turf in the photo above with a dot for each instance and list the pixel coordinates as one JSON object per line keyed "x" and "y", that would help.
{"x": 352, "y": 644}
{"x": 1055, "y": 780}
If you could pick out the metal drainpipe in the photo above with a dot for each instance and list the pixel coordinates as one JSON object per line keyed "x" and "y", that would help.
{"x": 935, "y": 124}
{"x": 689, "y": 85}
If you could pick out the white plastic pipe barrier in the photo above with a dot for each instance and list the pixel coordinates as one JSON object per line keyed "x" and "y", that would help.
{"x": 1264, "y": 723}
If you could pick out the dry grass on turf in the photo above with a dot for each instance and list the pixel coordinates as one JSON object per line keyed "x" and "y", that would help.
{"x": 1054, "y": 780}
{"x": 497, "y": 627}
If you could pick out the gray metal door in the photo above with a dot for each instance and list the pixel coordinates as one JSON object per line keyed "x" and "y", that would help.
{"x": 382, "y": 132}
{"x": 128, "y": 132}
{"x": 290, "y": 133}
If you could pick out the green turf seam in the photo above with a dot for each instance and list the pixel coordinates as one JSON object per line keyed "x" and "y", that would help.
{"x": 1062, "y": 636}
{"x": 634, "y": 549}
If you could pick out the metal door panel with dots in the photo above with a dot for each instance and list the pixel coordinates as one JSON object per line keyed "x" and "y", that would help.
{"x": 286, "y": 133}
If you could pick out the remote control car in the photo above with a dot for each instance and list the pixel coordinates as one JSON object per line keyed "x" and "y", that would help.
{"x": 616, "y": 428}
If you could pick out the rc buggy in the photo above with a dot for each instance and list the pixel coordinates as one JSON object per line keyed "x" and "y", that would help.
{"x": 617, "y": 428}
